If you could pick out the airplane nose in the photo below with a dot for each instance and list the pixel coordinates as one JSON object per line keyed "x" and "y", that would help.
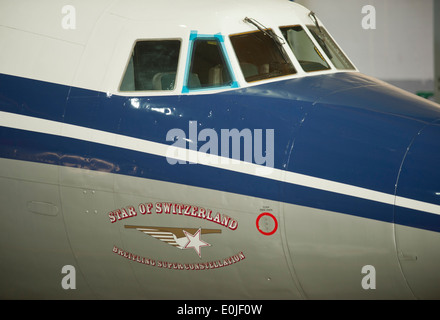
{"x": 417, "y": 221}
{"x": 366, "y": 134}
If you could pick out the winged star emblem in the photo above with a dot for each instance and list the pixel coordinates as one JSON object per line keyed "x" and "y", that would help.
{"x": 181, "y": 238}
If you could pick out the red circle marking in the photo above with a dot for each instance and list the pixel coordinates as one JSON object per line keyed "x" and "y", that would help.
{"x": 274, "y": 219}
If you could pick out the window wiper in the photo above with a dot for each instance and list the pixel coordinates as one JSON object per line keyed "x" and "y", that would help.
{"x": 312, "y": 16}
{"x": 278, "y": 40}
{"x": 319, "y": 37}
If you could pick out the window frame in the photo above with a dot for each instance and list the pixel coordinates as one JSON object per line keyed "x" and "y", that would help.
{"x": 317, "y": 46}
{"x": 194, "y": 35}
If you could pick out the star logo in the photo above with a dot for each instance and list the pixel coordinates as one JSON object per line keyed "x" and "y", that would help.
{"x": 195, "y": 242}
{"x": 181, "y": 238}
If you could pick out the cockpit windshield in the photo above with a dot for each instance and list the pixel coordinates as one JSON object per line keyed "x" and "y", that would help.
{"x": 308, "y": 55}
{"x": 264, "y": 53}
{"x": 260, "y": 56}
{"x": 331, "y": 49}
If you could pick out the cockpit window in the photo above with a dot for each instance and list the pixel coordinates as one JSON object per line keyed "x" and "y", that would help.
{"x": 260, "y": 56}
{"x": 308, "y": 55}
{"x": 208, "y": 66}
{"x": 331, "y": 49}
{"x": 152, "y": 66}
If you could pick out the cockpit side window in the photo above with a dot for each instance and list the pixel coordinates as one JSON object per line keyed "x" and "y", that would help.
{"x": 208, "y": 66}
{"x": 260, "y": 56}
{"x": 152, "y": 66}
{"x": 308, "y": 55}
{"x": 331, "y": 49}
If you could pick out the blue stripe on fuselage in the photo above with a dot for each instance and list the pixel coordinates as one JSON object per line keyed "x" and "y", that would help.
{"x": 56, "y": 150}
{"x": 341, "y": 127}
